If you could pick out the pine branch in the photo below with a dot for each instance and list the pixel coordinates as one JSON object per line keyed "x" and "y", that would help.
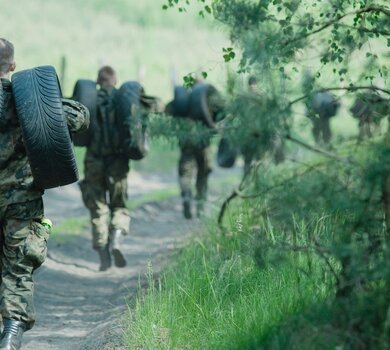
{"x": 381, "y": 9}
{"x": 347, "y": 88}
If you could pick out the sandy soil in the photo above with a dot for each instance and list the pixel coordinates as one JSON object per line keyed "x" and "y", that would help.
{"x": 81, "y": 308}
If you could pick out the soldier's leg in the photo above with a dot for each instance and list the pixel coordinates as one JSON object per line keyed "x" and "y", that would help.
{"x": 248, "y": 158}
{"x": 24, "y": 250}
{"x": 93, "y": 189}
{"x": 204, "y": 169}
{"x": 316, "y": 130}
{"x": 117, "y": 187}
{"x": 278, "y": 150}
{"x": 120, "y": 217}
{"x": 325, "y": 128}
{"x": 186, "y": 169}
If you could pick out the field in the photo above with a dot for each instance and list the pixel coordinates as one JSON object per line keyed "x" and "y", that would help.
{"x": 131, "y": 36}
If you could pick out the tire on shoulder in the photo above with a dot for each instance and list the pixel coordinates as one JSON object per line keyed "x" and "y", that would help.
{"x": 202, "y": 106}
{"x": 134, "y": 135}
{"x": 1, "y": 99}
{"x": 44, "y": 127}
{"x": 85, "y": 92}
{"x": 181, "y": 101}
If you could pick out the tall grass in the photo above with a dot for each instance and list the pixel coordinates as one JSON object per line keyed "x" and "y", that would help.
{"x": 215, "y": 295}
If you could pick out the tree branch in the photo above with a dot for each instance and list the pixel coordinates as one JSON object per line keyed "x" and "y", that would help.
{"x": 338, "y": 18}
{"x": 366, "y": 30}
{"x": 319, "y": 150}
{"x": 347, "y": 88}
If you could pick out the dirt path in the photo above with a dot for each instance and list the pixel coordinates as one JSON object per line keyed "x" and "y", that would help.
{"x": 80, "y": 308}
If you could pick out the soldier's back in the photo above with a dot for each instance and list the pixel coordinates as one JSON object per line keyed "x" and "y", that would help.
{"x": 16, "y": 181}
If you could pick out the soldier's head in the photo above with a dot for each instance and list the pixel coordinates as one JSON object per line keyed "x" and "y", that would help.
{"x": 252, "y": 83}
{"x": 106, "y": 76}
{"x": 7, "y": 60}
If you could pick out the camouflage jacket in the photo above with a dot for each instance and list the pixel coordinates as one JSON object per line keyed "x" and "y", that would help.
{"x": 16, "y": 181}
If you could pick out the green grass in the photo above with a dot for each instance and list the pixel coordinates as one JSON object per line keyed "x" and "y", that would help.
{"x": 215, "y": 296}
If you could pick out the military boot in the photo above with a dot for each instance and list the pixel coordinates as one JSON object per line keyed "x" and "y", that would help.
{"x": 11, "y": 338}
{"x": 105, "y": 258}
{"x": 187, "y": 209}
{"x": 200, "y": 209}
{"x": 115, "y": 243}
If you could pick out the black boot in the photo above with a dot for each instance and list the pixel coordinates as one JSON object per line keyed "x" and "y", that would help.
{"x": 186, "y": 197}
{"x": 187, "y": 209}
{"x": 115, "y": 242}
{"x": 11, "y": 338}
{"x": 105, "y": 258}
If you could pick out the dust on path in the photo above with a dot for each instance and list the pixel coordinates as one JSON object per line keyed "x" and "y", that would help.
{"x": 79, "y": 308}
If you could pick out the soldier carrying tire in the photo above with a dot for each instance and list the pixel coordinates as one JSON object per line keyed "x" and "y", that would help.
{"x": 35, "y": 154}
{"x": 117, "y": 134}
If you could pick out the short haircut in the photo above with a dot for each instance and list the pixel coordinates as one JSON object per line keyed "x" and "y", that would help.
{"x": 6, "y": 55}
{"x": 252, "y": 80}
{"x": 106, "y": 75}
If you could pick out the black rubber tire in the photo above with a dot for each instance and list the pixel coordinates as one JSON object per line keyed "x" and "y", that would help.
{"x": 181, "y": 102}
{"x": 199, "y": 104}
{"x": 227, "y": 154}
{"x": 325, "y": 104}
{"x": 1, "y": 100}
{"x": 134, "y": 137}
{"x": 85, "y": 92}
{"x": 360, "y": 107}
{"x": 45, "y": 131}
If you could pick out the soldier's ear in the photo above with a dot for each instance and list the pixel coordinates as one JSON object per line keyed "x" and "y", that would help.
{"x": 12, "y": 67}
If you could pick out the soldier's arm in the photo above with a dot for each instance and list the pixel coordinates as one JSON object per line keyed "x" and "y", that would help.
{"x": 152, "y": 104}
{"x": 77, "y": 115}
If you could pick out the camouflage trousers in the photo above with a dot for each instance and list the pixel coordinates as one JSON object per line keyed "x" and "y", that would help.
{"x": 104, "y": 192}
{"x": 191, "y": 159}
{"x": 252, "y": 152}
{"x": 23, "y": 249}
{"x": 321, "y": 130}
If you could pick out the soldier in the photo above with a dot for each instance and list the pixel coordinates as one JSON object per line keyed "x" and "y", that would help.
{"x": 254, "y": 147}
{"x": 194, "y": 156}
{"x": 369, "y": 108}
{"x": 23, "y": 228}
{"x": 322, "y": 106}
{"x": 194, "y": 144}
{"x": 104, "y": 188}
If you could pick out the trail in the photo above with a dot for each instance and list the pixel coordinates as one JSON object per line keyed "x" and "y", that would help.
{"x": 80, "y": 308}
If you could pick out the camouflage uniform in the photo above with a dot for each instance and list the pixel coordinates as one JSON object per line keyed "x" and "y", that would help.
{"x": 261, "y": 137}
{"x": 322, "y": 107}
{"x": 194, "y": 155}
{"x": 369, "y": 108}
{"x": 192, "y": 158}
{"x": 23, "y": 237}
{"x": 106, "y": 171}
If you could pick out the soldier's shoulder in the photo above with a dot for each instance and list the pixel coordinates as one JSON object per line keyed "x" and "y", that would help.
{"x": 74, "y": 106}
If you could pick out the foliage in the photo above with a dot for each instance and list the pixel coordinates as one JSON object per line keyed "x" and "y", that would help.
{"x": 339, "y": 205}
{"x": 179, "y": 130}
{"x": 215, "y": 297}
